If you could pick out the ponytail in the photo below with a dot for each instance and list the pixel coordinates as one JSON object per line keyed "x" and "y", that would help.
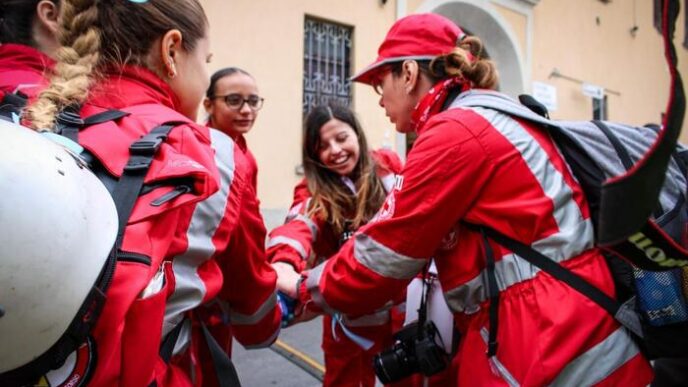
{"x": 466, "y": 61}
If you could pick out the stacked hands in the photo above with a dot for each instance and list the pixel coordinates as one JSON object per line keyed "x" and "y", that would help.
{"x": 288, "y": 281}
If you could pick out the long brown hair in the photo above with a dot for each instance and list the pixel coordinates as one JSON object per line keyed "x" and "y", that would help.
{"x": 130, "y": 29}
{"x": 331, "y": 200}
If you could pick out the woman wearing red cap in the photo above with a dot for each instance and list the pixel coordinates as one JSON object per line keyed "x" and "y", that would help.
{"x": 478, "y": 166}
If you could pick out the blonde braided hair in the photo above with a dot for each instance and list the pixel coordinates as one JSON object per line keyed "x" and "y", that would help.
{"x": 77, "y": 58}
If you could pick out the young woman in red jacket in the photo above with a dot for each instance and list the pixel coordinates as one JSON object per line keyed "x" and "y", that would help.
{"x": 344, "y": 186}
{"x": 232, "y": 103}
{"x": 28, "y": 45}
{"x": 478, "y": 166}
{"x": 192, "y": 249}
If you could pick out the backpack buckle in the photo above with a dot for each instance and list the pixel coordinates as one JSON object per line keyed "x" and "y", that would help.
{"x": 147, "y": 146}
{"x": 69, "y": 117}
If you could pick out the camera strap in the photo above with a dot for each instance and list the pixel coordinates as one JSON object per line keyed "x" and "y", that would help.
{"x": 423, "y": 309}
{"x": 493, "y": 294}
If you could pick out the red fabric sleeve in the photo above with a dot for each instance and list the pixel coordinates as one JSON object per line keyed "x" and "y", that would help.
{"x": 442, "y": 177}
{"x": 249, "y": 286}
{"x": 387, "y": 161}
{"x": 293, "y": 242}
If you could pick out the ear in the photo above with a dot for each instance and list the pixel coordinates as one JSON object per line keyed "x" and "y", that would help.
{"x": 208, "y": 105}
{"x": 170, "y": 49}
{"x": 410, "y": 73}
{"x": 47, "y": 13}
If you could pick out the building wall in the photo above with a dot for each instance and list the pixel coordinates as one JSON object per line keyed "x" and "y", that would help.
{"x": 265, "y": 37}
{"x": 593, "y": 42}
{"x": 587, "y": 40}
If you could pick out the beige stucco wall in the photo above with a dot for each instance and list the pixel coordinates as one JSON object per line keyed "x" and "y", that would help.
{"x": 265, "y": 38}
{"x": 591, "y": 41}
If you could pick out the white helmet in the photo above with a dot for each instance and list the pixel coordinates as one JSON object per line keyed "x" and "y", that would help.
{"x": 58, "y": 224}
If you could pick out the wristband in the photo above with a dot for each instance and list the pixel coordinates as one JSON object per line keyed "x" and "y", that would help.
{"x": 298, "y": 286}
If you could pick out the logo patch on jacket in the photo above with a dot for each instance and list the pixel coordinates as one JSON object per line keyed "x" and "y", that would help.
{"x": 387, "y": 209}
{"x": 76, "y": 371}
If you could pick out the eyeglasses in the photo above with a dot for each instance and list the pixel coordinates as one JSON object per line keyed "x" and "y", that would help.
{"x": 237, "y": 101}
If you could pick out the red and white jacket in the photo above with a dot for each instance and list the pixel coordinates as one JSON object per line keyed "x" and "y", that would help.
{"x": 207, "y": 244}
{"x": 483, "y": 167}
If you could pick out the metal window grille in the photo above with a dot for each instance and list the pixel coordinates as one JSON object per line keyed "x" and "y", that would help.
{"x": 326, "y": 63}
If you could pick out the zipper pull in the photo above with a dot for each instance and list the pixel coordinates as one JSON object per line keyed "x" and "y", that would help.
{"x": 176, "y": 192}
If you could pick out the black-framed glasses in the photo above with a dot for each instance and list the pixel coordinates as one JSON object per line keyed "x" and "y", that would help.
{"x": 237, "y": 101}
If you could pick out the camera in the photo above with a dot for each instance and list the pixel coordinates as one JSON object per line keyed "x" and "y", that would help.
{"x": 415, "y": 350}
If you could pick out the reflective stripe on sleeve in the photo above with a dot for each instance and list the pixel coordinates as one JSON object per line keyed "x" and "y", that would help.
{"x": 236, "y": 318}
{"x": 291, "y": 242}
{"x": 385, "y": 261}
{"x": 311, "y": 225}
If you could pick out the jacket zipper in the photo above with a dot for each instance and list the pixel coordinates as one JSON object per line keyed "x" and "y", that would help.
{"x": 126, "y": 256}
{"x": 176, "y": 192}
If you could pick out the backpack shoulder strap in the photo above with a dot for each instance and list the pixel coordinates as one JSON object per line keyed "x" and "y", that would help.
{"x": 68, "y": 122}
{"x": 141, "y": 154}
{"x": 620, "y": 149}
{"x": 623, "y": 313}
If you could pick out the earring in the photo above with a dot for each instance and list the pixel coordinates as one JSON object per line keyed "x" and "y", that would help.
{"x": 172, "y": 69}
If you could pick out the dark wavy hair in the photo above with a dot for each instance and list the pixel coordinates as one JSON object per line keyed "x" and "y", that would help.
{"x": 331, "y": 200}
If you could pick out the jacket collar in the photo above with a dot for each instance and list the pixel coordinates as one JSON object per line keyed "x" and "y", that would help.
{"x": 132, "y": 85}
{"x": 19, "y": 56}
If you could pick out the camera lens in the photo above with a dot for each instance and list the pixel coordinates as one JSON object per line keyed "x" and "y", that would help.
{"x": 394, "y": 364}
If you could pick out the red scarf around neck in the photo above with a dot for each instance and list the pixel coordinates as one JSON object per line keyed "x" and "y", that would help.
{"x": 433, "y": 101}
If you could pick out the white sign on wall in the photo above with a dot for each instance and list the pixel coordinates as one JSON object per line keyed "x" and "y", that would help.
{"x": 593, "y": 91}
{"x": 545, "y": 94}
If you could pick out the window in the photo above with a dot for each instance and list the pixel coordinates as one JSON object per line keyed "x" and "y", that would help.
{"x": 599, "y": 108}
{"x": 326, "y": 63}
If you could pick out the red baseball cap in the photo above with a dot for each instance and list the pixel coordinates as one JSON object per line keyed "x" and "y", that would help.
{"x": 419, "y": 37}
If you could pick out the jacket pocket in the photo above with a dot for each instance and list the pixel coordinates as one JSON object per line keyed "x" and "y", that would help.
{"x": 142, "y": 332}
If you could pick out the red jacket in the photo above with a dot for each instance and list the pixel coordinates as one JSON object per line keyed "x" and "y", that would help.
{"x": 252, "y": 164}
{"x": 482, "y": 167}
{"x": 23, "y": 69}
{"x": 207, "y": 243}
